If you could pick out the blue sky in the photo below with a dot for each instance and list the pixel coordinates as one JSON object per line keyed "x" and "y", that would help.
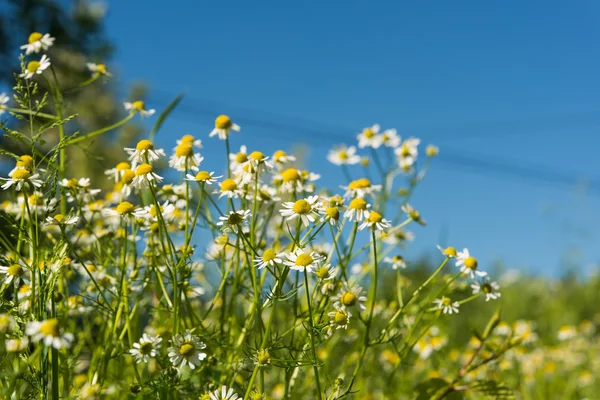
{"x": 511, "y": 82}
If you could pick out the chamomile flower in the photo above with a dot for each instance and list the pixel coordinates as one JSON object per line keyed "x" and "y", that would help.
{"x": 413, "y": 214}
{"x": 138, "y": 107}
{"x": 339, "y": 318}
{"x": 360, "y": 188}
{"x": 24, "y": 162}
{"x": 147, "y": 347}
{"x": 223, "y": 125}
{"x": 16, "y": 345}
{"x": 301, "y": 261}
{"x": 487, "y": 287}
{"x": 3, "y": 100}
{"x": 7, "y": 323}
{"x": 332, "y": 215}
{"x": 189, "y": 139}
{"x": 375, "y": 221}
{"x": 235, "y": 221}
{"x": 281, "y": 157}
{"x": 36, "y": 67}
{"x": 326, "y": 272}
{"x": 11, "y": 273}
{"x": 37, "y": 42}
{"x": 229, "y": 188}
{"x": 369, "y": 137}
{"x": 343, "y": 155}
{"x": 269, "y": 258}
{"x": 223, "y": 394}
{"x": 566, "y": 332}
{"x": 49, "y": 332}
{"x": 144, "y": 176}
{"x": 307, "y": 210}
{"x": 186, "y": 350}
{"x": 390, "y": 138}
{"x": 117, "y": 172}
{"x": 396, "y": 262}
{"x": 185, "y": 158}
{"x": 357, "y": 210}
{"x": 99, "y": 69}
{"x": 446, "y": 305}
{"x": 449, "y": 252}
{"x": 468, "y": 264}
{"x": 203, "y": 177}
{"x": 350, "y": 296}
{"x": 432, "y": 151}
{"x": 61, "y": 220}
{"x": 144, "y": 152}
{"x": 22, "y": 178}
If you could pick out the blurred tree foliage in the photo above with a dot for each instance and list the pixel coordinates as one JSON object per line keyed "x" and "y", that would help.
{"x": 77, "y": 26}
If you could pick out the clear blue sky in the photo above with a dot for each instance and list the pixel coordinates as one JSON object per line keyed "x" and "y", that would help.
{"x": 507, "y": 81}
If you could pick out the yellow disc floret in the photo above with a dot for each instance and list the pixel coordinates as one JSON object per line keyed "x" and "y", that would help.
{"x": 358, "y": 204}
{"x": 290, "y": 174}
{"x": 223, "y": 122}
{"x": 304, "y": 260}
{"x": 34, "y": 37}
{"x": 203, "y": 176}
{"x": 143, "y": 169}
{"x": 125, "y": 208}
{"x": 21, "y": 174}
{"x": 302, "y": 207}
{"x": 228, "y": 185}
{"x": 50, "y": 327}
{"x": 144, "y": 145}
{"x": 184, "y": 150}
{"x": 361, "y": 183}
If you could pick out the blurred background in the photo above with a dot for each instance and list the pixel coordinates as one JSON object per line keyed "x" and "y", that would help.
{"x": 508, "y": 91}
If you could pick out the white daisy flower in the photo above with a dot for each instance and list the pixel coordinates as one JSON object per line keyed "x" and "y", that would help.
{"x": 269, "y": 258}
{"x": 235, "y": 221}
{"x": 360, "y": 188}
{"x": 326, "y": 272}
{"x": 14, "y": 272}
{"x": 339, "y": 319}
{"x": 449, "y": 252}
{"x": 468, "y": 265}
{"x": 281, "y": 157}
{"x": 144, "y": 152}
{"x": 223, "y": 126}
{"x": 185, "y": 158}
{"x": 390, "y": 138}
{"x": 17, "y": 345}
{"x": 413, "y": 214}
{"x": 342, "y": 155}
{"x": 489, "y": 288}
{"x": 396, "y": 262}
{"x": 203, "y": 177}
{"x": 369, "y": 137}
{"x": 21, "y": 178}
{"x": 117, "y": 172}
{"x": 60, "y": 219}
{"x": 37, "y": 42}
{"x": 375, "y": 221}
{"x": 49, "y": 332}
{"x": 357, "y": 210}
{"x": 7, "y": 323}
{"x": 3, "y": 100}
{"x": 186, "y": 350}
{"x": 307, "y": 210}
{"x": 147, "y": 347}
{"x": 301, "y": 261}
{"x": 229, "y": 188}
{"x": 432, "y": 150}
{"x": 138, "y": 107}
{"x": 150, "y": 213}
{"x": 99, "y": 69}
{"x": 350, "y": 296}
{"x": 408, "y": 150}
{"x": 144, "y": 175}
{"x": 36, "y": 67}
{"x": 236, "y": 160}
{"x": 190, "y": 140}
{"x": 332, "y": 215}
{"x": 566, "y": 332}
{"x": 446, "y": 305}
{"x": 223, "y": 394}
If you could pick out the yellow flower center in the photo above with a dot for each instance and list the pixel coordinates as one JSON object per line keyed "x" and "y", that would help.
{"x": 269, "y": 255}
{"x": 139, "y": 106}
{"x": 228, "y": 185}
{"x": 323, "y": 273}
{"x": 302, "y": 207}
{"x": 21, "y": 174}
{"x": 123, "y": 166}
{"x": 33, "y": 66}
{"x": 257, "y": 155}
{"x": 368, "y": 132}
{"x": 304, "y": 260}
{"x": 279, "y": 155}
{"x": 101, "y": 68}
{"x": 290, "y": 174}
{"x": 187, "y": 350}
{"x": 340, "y": 318}
{"x": 146, "y": 348}
{"x": 50, "y": 327}
{"x": 34, "y": 37}
{"x": 471, "y": 262}
{"x": 184, "y": 150}
{"x": 487, "y": 288}
{"x": 143, "y": 169}
{"x": 348, "y": 299}
{"x": 59, "y": 217}
{"x": 450, "y": 252}
{"x": 154, "y": 227}
{"x": 361, "y": 183}
{"x": 222, "y": 240}
{"x": 333, "y": 212}
{"x": 234, "y": 219}
{"x": 343, "y": 155}
{"x": 128, "y": 176}
{"x": 15, "y": 270}
{"x": 241, "y": 158}
{"x": 187, "y": 139}
{"x": 203, "y": 176}
{"x": 358, "y": 204}
{"x": 223, "y": 122}
{"x": 26, "y": 162}
{"x": 431, "y": 151}
{"x": 144, "y": 145}
{"x": 263, "y": 357}
{"x": 125, "y": 208}
{"x": 375, "y": 217}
